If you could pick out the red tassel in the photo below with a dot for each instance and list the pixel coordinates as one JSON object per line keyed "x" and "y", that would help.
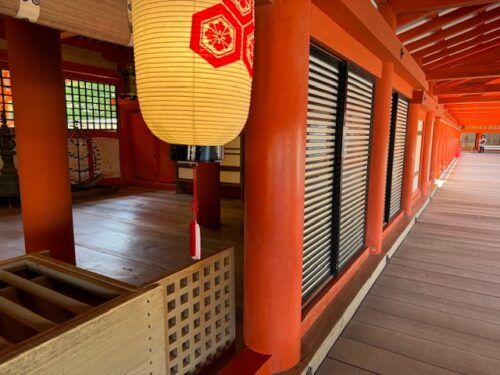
{"x": 194, "y": 228}
{"x": 195, "y": 240}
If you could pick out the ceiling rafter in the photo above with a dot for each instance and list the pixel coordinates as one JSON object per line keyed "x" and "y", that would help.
{"x": 405, "y": 19}
{"x": 412, "y": 6}
{"x": 457, "y": 39}
{"x": 438, "y": 22}
{"x": 448, "y": 59}
{"x": 453, "y": 30}
{"x": 447, "y": 52}
{"x": 474, "y": 71}
{"x": 470, "y": 99}
{"x": 487, "y": 57}
{"x": 472, "y": 88}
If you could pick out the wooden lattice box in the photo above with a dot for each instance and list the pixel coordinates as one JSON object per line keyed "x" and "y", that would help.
{"x": 58, "y": 319}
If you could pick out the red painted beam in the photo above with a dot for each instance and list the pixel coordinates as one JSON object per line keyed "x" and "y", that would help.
{"x": 367, "y": 25}
{"x": 467, "y": 72}
{"x": 411, "y": 6}
{"x": 453, "y": 30}
{"x": 470, "y": 88}
{"x": 454, "y": 58}
{"x": 437, "y": 22}
{"x": 470, "y": 99}
{"x": 478, "y": 31}
{"x": 453, "y": 53}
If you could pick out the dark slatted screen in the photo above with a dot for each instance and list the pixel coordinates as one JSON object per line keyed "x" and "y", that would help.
{"x": 355, "y": 166}
{"x": 320, "y": 158}
{"x": 397, "y": 148}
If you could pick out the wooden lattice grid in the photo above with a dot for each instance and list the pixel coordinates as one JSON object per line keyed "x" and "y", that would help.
{"x": 200, "y": 313}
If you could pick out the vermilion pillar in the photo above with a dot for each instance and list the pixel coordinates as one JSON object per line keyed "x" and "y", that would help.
{"x": 436, "y": 150}
{"x": 426, "y": 150}
{"x": 378, "y": 159}
{"x": 208, "y": 194}
{"x": 35, "y": 64}
{"x": 275, "y": 141}
{"x": 409, "y": 167}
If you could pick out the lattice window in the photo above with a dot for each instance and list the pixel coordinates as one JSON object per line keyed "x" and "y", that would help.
{"x": 91, "y": 105}
{"x": 200, "y": 313}
{"x": 6, "y": 97}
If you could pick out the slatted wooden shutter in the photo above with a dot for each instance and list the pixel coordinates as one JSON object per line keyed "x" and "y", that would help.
{"x": 397, "y": 148}
{"x": 320, "y": 159}
{"x": 355, "y": 166}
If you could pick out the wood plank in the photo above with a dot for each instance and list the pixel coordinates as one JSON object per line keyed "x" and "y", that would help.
{"x": 379, "y": 360}
{"x": 475, "y": 286}
{"x": 332, "y": 366}
{"x": 59, "y": 299}
{"x": 422, "y": 350}
{"x": 24, "y": 315}
{"x": 436, "y": 317}
{"x": 482, "y": 307}
{"x": 445, "y": 336}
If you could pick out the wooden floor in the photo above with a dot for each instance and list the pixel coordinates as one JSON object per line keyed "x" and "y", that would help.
{"x": 135, "y": 235}
{"x": 436, "y": 307}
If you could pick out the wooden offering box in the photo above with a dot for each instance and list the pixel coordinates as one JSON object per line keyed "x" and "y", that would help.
{"x": 58, "y": 319}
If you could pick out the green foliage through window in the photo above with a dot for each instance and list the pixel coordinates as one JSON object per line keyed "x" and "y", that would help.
{"x": 91, "y": 105}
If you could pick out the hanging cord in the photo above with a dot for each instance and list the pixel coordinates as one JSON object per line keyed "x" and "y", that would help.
{"x": 194, "y": 228}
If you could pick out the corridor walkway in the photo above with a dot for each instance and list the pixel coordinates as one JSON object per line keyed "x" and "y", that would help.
{"x": 436, "y": 307}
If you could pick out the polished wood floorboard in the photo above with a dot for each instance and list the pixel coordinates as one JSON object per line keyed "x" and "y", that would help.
{"x": 436, "y": 307}
{"x": 137, "y": 235}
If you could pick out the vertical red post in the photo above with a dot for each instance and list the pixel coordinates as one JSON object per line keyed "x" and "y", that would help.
{"x": 426, "y": 150}
{"x": 378, "y": 159}
{"x": 409, "y": 167}
{"x": 436, "y": 148}
{"x": 208, "y": 194}
{"x": 275, "y": 141}
{"x": 35, "y": 63}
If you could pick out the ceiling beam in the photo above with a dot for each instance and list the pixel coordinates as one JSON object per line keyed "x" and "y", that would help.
{"x": 480, "y": 30}
{"x": 475, "y": 71}
{"x": 485, "y": 58}
{"x": 404, "y": 19}
{"x": 453, "y": 30}
{"x": 412, "y": 6}
{"x": 471, "y": 88}
{"x": 366, "y": 24}
{"x": 470, "y": 99}
{"x": 437, "y": 22}
{"x": 453, "y": 55}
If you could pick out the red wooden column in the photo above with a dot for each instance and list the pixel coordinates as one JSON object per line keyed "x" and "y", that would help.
{"x": 35, "y": 63}
{"x": 409, "y": 167}
{"x": 275, "y": 141}
{"x": 380, "y": 147}
{"x": 436, "y": 150}
{"x": 378, "y": 159}
{"x": 426, "y": 150}
{"x": 208, "y": 194}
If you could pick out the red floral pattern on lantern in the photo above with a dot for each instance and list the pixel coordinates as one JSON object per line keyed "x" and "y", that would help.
{"x": 224, "y": 33}
{"x": 248, "y": 47}
{"x": 216, "y": 36}
{"x": 242, "y": 10}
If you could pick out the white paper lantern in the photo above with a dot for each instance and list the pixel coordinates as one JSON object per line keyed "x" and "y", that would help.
{"x": 194, "y": 66}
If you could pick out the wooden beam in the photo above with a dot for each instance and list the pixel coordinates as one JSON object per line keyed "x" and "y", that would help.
{"x": 475, "y": 71}
{"x": 98, "y": 19}
{"x": 453, "y": 30}
{"x": 449, "y": 57}
{"x": 485, "y": 58}
{"x": 470, "y": 99}
{"x": 435, "y": 48}
{"x": 437, "y": 22}
{"x": 404, "y": 19}
{"x": 412, "y": 6}
{"x": 366, "y": 24}
{"x": 471, "y": 88}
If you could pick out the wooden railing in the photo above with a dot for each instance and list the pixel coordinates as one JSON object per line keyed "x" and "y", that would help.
{"x": 200, "y": 313}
